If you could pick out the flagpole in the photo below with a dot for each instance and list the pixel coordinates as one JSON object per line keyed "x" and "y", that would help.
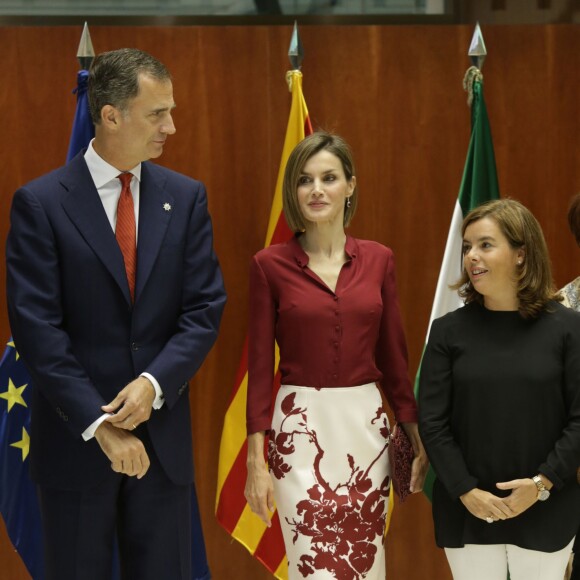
{"x": 278, "y": 230}
{"x": 479, "y": 184}
{"x": 477, "y": 51}
{"x": 232, "y": 512}
{"x": 85, "y": 52}
{"x": 82, "y": 130}
{"x": 296, "y": 50}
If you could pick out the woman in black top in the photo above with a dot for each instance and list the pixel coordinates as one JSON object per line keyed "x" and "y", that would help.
{"x": 499, "y": 407}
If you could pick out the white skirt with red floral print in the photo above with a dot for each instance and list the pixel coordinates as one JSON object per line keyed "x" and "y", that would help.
{"x": 328, "y": 458}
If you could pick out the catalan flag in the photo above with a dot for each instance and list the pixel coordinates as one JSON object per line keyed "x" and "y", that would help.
{"x": 265, "y": 544}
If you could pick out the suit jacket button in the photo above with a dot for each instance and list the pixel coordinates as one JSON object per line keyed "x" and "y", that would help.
{"x": 134, "y": 346}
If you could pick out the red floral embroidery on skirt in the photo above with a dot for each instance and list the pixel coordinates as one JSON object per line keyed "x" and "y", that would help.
{"x": 341, "y": 521}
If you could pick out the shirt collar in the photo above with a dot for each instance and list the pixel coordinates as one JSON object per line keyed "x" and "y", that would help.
{"x": 301, "y": 257}
{"x": 103, "y": 172}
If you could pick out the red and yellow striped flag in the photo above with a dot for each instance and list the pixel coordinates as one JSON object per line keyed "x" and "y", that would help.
{"x": 265, "y": 544}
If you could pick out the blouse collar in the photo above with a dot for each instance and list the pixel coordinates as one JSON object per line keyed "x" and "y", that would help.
{"x": 301, "y": 257}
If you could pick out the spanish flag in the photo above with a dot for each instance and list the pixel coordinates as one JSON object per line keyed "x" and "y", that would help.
{"x": 265, "y": 544}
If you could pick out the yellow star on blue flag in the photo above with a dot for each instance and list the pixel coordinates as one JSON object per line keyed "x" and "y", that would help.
{"x": 14, "y": 395}
{"x": 12, "y": 345}
{"x": 23, "y": 444}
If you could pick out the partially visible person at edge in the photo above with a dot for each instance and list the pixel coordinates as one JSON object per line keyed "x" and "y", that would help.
{"x": 499, "y": 407}
{"x": 571, "y": 299}
{"x": 115, "y": 297}
{"x": 330, "y": 302}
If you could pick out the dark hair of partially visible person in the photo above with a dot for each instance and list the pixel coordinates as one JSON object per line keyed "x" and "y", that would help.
{"x": 308, "y": 147}
{"x": 114, "y": 78}
{"x": 574, "y": 217}
{"x": 535, "y": 285}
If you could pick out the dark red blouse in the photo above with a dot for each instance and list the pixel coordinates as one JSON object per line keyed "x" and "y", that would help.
{"x": 344, "y": 338}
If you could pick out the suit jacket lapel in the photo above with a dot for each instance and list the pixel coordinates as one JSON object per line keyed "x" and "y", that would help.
{"x": 85, "y": 210}
{"x": 155, "y": 210}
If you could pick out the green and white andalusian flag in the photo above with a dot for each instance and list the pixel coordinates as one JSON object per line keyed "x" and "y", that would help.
{"x": 479, "y": 184}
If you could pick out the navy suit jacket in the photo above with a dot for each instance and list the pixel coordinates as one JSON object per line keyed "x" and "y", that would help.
{"x": 76, "y": 329}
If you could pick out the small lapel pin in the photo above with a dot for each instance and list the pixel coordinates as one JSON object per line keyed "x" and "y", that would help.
{"x": 167, "y": 206}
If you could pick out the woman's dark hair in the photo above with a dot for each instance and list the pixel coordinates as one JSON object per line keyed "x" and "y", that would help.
{"x": 307, "y": 148}
{"x": 535, "y": 286}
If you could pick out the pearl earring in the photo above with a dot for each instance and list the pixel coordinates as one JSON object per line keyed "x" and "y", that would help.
{"x": 348, "y": 203}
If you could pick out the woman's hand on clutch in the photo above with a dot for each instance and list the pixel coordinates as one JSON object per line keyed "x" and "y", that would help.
{"x": 259, "y": 491}
{"x": 420, "y": 465}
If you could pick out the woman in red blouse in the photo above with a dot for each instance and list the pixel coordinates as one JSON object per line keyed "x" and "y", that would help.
{"x": 330, "y": 303}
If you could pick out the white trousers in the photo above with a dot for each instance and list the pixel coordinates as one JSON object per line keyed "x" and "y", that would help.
{"x": 481, "y": 562}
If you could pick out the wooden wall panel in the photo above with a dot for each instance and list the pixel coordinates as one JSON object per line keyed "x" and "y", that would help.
{"x": 395, "y": 93}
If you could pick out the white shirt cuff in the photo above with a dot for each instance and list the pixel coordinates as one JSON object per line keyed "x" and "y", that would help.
{"x": 89, "y": 432}
{"x": 159, "y": 398}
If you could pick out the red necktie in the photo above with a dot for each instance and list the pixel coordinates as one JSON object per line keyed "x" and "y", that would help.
{"x": 126, "y": 230}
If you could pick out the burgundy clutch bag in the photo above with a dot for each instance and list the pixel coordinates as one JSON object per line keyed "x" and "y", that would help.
{"x": 401, "y": 457}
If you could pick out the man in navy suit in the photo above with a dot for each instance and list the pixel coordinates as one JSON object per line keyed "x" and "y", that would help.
{"x": 111, "y": 340}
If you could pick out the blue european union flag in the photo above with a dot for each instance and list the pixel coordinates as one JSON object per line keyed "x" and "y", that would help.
{"x": 18, "y": 503}
{"x": 83, "y": 130}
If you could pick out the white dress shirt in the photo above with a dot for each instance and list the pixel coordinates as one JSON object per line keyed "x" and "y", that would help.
{"x": 105, "y": 178}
